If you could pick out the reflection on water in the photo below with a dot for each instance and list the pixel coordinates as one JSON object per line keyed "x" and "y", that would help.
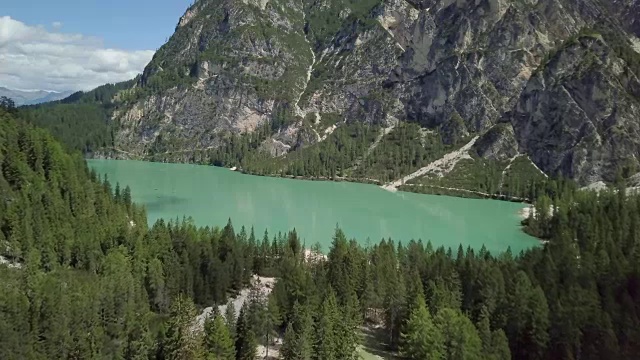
{"x": 212, "y": 195}
{"x": 160, "y": 202}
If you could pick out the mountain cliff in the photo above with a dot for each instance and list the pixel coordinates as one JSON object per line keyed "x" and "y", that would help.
{"x": 551, "y": 81}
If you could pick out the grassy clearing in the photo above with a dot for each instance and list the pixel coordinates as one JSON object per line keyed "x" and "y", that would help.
{"x": 365, "y": 355}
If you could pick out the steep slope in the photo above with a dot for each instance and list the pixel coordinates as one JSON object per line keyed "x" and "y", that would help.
{"x": 584, "y": 105}
{"x": 255, "y": 79}
{"x": 229, "y": 67}
{"x": 627, "y": 12}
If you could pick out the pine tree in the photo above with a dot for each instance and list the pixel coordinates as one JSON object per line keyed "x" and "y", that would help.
{"x": 217, "y": 340}
{"x": 273, "y": 320}
{"x": 528, "y": 319}
{"x": 126, "y": 197}
{"x": 461, "y": 340}
{"x": 495, "y": 345}
{"x": 289, "y": 349}
{"x": 421, "y": 338}
{"x": 299, "y": 334}
{"x": 370, "y": 298}
{"x": 538, "y": 324}
{"x": 257, "y": 313}
{"x": 253, "y": 254}
{"x": 346, "y": 328}
{"x": 230, "y": 319}
{"x": 139, "y": 341}
{"x": 326, "y": 334}
{"x": 118, "y": 196}
{"x": 500, "y": 345}
{"x": 245, "y": 337}
{"x": 182, "y": 341}
{"x": 303, "y": 323}
{"x": 395, "y": 302}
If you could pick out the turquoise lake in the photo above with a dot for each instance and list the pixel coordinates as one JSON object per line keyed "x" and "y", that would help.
{"x": 211, "y": 195}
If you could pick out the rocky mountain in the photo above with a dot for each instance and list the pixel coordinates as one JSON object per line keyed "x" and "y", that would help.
{"x": 33, "y": 97}
{"x": 553, "y": 81}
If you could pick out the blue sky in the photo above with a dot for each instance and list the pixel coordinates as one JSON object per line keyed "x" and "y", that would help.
{"x": 123, "y": 24}
{"x": 78, "y": 45}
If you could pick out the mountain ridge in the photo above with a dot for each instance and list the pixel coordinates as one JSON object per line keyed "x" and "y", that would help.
{"x": 273, "y": 86}
{"x": 33, "y": 97}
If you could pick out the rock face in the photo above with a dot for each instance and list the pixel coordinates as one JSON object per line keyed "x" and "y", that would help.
{"x": 579, "y": 113}
{"x": 553, "y": 79}
{"x": 627, "y": 12}
{"x": 499, "y": 143}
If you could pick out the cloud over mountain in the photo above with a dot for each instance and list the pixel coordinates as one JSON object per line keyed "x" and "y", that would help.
{"x": 33, "y": 57}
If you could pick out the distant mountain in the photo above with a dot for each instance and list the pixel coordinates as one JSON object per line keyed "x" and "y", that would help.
{"x": 33, "y": 97}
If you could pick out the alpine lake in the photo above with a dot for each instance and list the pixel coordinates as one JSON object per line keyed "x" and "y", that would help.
{"x": 367, "y": 213}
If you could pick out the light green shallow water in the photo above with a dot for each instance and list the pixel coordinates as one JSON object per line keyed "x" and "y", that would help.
{"x": 211, "y": 195}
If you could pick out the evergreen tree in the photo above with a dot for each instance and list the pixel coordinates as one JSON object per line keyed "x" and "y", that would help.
{"x": 183, "y": 342}
{"x": 126, "y": 197}
{"x": 421, "y": 338}
{"x": 346, "y": 329}
{"x": 245, "y": 337}
{"x": 299, "y": 335}
{"x": 500, "y": 345}
{"x": 139, "y": 341}
{"x": 326, "y": 330}
{"x": 495, "y": 345}
{"x": 289, "y": 349}
{"x": 230, "y": 319}
{"x": 460, "y": 337}
{"x": 528, "y": 319}
{"x": 218, "y": 343}
{"x": 395, "y": 304}
{"x": 273, "y": 320}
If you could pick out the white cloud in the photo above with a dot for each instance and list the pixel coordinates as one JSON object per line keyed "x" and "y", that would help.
{"x": 31, "y": 57}
{"x": 56, "y": 25}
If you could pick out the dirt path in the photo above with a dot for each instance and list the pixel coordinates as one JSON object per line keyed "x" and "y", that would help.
{"x": 383, "y": 132}
{"x": 536, "y": 166}
{"x": 504, "y": 172}
{"x": 374, "y": 344}
{"x": 296, "y": 106}
{"x": 185, "y": 151}
{"x": 441, "y": 166}
{"x": 264, "y": 285}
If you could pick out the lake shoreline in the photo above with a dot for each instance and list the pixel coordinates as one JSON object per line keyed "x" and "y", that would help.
{"x": 410, "y": 188}
{"x": 454, "y": 192}
{"x": 171, "y": 190}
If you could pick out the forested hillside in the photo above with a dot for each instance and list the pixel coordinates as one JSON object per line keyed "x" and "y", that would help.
{"x": 85, "y": 278}
{"x": 80, "y": 121}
